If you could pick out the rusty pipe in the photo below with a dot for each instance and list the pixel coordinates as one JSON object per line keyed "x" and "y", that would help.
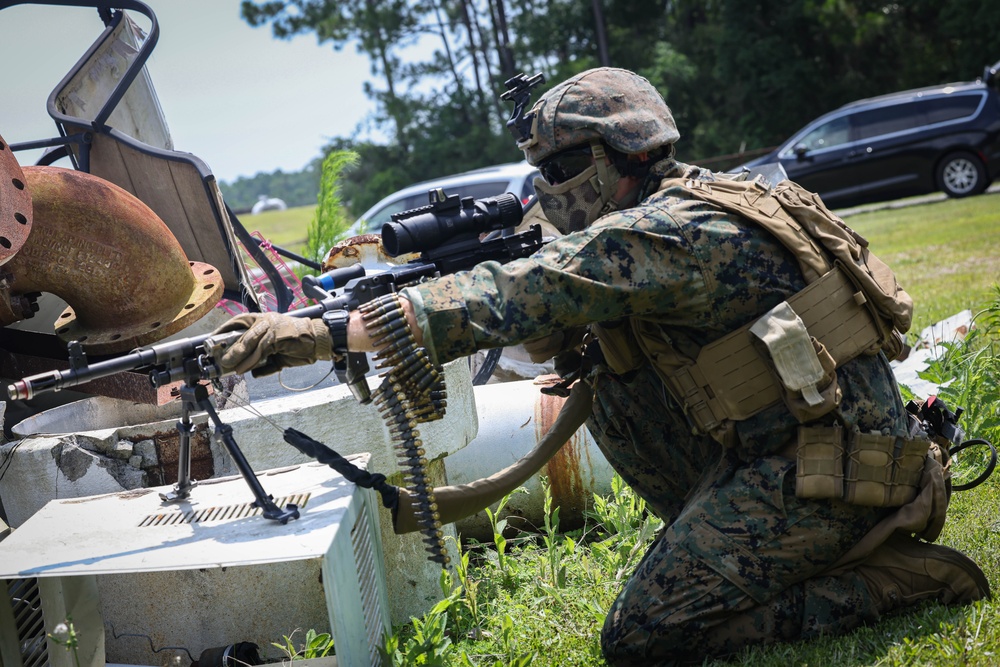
{"x": 522, "y": 432}
{"x": 122, "y": 273}
{"x": 15, "y": 224}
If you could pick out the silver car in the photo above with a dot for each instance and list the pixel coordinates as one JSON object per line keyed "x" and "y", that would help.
{"x": 515, "y": 177}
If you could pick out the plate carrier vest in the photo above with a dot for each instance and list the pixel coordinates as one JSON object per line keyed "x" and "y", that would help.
{"x": 852, "y": 305}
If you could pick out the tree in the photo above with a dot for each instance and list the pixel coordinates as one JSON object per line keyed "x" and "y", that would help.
{"x": 380, "y": 28}
{"x": 735, "y": 74}
{"x": 329, "y": 221}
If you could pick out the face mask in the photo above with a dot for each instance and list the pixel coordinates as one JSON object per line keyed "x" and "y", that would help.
{"x": 572, "y": 206}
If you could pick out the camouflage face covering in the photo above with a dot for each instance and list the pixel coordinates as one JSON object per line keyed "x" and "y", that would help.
{"x": 573, "y": 205}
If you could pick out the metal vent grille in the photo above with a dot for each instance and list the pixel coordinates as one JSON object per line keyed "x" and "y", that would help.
{"x": 364, "y": 557}
{"x": 29, "y": 626}
{"x": 224, "y": 513}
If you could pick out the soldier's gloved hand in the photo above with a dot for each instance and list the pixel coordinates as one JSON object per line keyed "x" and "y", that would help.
{"x": 542, "y": 349}
{"x": 273, "y": 341}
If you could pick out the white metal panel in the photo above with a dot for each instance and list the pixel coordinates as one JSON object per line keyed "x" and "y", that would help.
{"x": 102, "y": 534}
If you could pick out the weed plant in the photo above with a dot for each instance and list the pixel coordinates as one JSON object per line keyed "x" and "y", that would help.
{"x": 541, "y": 598}
{"x": 330, "y": 220}
{"x": 315, "y": 645}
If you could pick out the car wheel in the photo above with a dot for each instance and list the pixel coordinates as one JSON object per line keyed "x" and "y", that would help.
{"x": 961, "y": 174}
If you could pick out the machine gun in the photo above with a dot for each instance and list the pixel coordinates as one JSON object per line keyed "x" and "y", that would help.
{"x": 446, "y": 234}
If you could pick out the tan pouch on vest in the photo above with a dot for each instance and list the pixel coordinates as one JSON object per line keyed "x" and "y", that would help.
{"x": 819, "y": 457}
{"x": 801, "y": 365}
{"x": 924, "y": 516}
{"x": 872, "y": 470}
{"x": 883, "y": 470}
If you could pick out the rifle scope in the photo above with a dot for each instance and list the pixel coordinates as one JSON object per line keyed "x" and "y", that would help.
{"x": 448, "y": 218}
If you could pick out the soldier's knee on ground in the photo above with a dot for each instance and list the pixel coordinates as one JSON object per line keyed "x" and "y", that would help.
{"x": 632, "y": 638}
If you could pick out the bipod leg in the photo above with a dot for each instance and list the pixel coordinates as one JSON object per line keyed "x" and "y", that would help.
{"x": 225, "y": 433}
{"x": 182, "y": 489}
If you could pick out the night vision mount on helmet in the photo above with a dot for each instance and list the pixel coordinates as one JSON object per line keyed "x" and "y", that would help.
{"x": 519, "y": 92}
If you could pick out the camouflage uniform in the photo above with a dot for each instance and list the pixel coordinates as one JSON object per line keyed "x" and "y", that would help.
{"x": 738, "y": 561}
{"x": 741, "y": 559}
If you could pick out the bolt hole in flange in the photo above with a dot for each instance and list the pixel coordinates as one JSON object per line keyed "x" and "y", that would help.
{"x": 15, "y": 205}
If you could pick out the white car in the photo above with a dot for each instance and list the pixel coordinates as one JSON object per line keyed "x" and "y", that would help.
{"x": 515, "y": 177}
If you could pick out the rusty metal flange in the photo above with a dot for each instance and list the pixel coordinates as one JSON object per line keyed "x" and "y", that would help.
{"x": 15, "y": 204}
{"x": 121, "y": 271}
{"x": 108, "y": 339}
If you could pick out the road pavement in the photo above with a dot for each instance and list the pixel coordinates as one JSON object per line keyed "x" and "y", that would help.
{"x": 903, "y": 203}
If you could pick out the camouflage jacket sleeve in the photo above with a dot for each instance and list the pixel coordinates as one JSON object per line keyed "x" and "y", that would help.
{"x": 659, "y": 261}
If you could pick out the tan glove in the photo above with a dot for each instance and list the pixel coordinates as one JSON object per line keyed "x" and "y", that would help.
{"x": 542, "y": 349}
{"x": 273, "y": 341}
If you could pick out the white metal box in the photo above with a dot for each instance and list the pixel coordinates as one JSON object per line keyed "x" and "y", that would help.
{"x": 208, "y": 571}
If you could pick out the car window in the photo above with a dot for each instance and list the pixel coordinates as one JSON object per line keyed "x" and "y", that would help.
{"x": 953, "y": 107}
{"x": 528, "y": 189}
{"x": 384, "y": 214}
{"x": 827, "y": 135}
{"x": 479, "y": 190}
{"x": 889, "y": 119}
{"x": 474, "y": 190}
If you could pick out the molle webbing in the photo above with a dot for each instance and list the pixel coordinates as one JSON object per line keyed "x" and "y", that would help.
{"x": 852, "y": 303}
{"x": 729, "y": 380}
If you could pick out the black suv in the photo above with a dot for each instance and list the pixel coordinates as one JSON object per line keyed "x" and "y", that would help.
{"x": 908, "y": 143}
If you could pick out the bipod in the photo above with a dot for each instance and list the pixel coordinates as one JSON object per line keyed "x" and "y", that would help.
{"x": 195, "y": 398}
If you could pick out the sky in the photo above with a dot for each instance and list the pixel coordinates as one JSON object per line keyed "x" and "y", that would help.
{"x": 233, "y": 95}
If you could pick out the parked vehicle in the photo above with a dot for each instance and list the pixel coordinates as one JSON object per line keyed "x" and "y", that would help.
{"x": 912, "y": 142}
{"x": 514, "y": 177}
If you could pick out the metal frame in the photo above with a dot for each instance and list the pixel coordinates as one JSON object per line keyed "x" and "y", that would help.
{"x": 110, "y": 12}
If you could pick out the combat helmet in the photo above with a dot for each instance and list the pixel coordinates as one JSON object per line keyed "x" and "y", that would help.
{"x": 613, "y": 105}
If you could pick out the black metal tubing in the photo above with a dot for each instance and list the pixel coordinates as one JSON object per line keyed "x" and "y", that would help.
{"x": 281, "y": 292}
{"x": 304, "y": 261}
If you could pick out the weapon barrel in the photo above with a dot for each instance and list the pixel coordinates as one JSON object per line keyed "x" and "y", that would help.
{"x": 33, "y": 385}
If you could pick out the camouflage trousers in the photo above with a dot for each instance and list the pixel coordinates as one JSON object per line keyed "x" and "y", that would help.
{"x": 740, "y": 558}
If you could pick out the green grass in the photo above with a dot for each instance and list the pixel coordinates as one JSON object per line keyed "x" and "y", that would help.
{"x": 540, "y": 599}
{"x": 288, "y": 228}
{"x": 945, "y": 254}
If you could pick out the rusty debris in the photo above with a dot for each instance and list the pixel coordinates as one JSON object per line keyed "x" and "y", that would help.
{"x": 124, "y": 276}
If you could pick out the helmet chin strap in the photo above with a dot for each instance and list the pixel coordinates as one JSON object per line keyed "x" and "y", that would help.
{"x": 608, "y": 178}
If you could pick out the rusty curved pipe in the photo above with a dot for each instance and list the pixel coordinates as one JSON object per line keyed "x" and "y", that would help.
{"x": 124, "y": 276}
